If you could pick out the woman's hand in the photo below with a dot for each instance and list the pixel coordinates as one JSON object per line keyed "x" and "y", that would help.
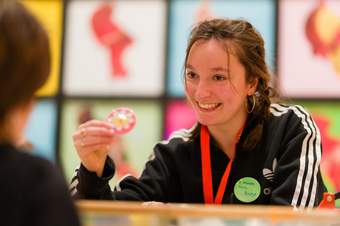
{"x": 92, "y": 141}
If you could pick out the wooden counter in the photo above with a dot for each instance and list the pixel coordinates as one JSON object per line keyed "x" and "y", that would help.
{"x": 268, "y": 215}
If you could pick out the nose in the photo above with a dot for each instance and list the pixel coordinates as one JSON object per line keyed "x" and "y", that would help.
{"x": 203, "y": 90}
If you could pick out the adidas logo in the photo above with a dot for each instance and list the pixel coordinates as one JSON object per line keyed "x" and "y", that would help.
{"x": 269, "y": 173}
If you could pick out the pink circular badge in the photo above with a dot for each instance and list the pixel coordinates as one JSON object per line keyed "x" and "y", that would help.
{"x": 123, "y": 120}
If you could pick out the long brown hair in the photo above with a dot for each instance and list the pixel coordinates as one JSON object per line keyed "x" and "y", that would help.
{"x": 24, "y": 56}
{"x": 249, "y": 48}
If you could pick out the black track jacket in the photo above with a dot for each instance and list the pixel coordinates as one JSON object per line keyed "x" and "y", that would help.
{"x": 286, "y": 163}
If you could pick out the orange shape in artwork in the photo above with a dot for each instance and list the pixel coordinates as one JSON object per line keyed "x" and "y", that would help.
{"x": 323, "y": 31}
{"x": 110, "y": 34}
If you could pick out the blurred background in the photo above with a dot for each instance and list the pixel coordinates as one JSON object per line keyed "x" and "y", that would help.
{"x": 108, "y": 54}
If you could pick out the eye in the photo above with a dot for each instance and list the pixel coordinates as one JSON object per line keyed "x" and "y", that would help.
{"x": 218, "y": 77}
{"x": 191, "y": 75}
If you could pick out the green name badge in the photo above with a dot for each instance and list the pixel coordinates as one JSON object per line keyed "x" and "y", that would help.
{"x": 247, "y": 189}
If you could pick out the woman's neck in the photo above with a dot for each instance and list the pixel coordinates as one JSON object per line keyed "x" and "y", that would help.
{"x": 227, "y": 135}
{"x": 12, "y": 127}
{"x": 6, "y": 134}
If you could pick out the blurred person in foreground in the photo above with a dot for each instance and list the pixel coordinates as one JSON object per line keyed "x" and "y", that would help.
{"x": 244, "y": 149}
{"x": 32, "y": 191}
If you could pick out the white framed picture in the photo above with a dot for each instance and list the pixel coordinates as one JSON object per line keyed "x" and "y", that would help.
{"x": 309, "y": 49}
{"x": 114, "y": 48}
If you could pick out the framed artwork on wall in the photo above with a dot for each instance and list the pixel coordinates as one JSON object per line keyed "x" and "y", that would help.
{"x": 184, "y": 14}
{"x": 326, "y": 117}
{"x": 309, "y": 49}
{"x": 178, "y": 115}
{"x": 50, "y": 14}
{"x": 115, "y": 48}
{"x": 41, "y": 131}
{"x": 131, "y": 150}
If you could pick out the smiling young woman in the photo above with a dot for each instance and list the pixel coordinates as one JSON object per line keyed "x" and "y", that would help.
{"x": 216, "y": 87}
{"x": 243, "y": 149}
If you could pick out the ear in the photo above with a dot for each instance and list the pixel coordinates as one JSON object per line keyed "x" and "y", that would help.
{"x": 252, "y": 86}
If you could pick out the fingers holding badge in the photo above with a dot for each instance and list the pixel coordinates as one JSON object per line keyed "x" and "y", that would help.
{"x": 123, "y": 120}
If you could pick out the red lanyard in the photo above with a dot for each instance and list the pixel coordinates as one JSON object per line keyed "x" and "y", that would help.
{"x": 206, "y": 169}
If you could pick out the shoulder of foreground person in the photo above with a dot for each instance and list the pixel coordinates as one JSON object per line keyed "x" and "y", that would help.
{"x": 35, "y": 192}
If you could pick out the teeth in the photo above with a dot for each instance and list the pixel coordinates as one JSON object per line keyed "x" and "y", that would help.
{"x": 207, "y": 106}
